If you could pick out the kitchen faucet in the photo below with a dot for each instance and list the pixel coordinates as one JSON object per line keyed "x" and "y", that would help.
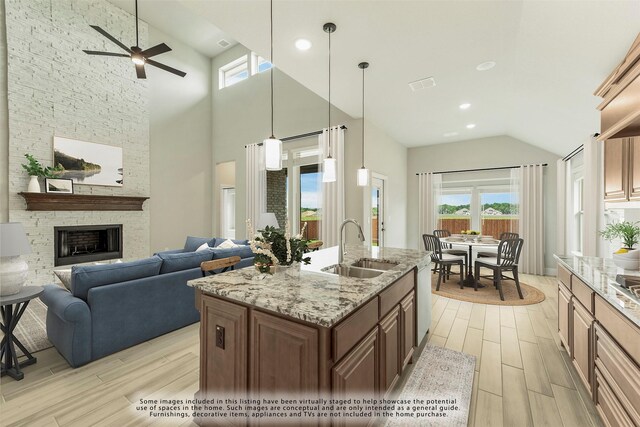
{"x": 360, "y": 236}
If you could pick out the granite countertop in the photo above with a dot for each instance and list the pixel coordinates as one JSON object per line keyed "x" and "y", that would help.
{"x": 600, "y": 275}
{"x": 313, "y": 296}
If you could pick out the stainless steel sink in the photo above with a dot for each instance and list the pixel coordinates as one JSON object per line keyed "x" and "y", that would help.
{"x": 348, "y": 271}
{"x": 374, "y": 264}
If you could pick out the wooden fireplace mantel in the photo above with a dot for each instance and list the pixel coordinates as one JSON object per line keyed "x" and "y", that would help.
{"x": 81, "y": 202}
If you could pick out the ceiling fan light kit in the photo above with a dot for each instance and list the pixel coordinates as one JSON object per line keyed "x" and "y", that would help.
{"x": 272, "y": 145}
{"x": 138, "y": 56}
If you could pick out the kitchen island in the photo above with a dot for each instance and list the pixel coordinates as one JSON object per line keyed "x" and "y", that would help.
{"x": 312, "y": 332}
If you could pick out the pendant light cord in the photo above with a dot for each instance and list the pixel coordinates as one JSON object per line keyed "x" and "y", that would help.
{"x": 271, "y": 70}
{"x": 363, "y": 117}
{"x": 137, "y": 41}
{"x": 329, "y": 127}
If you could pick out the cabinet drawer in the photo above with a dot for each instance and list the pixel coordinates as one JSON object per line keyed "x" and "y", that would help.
{"x": 608, "y": 405}
{"x": 564, "y": 276}
{"x": 392, "y": 295}
{"x": 582, "y": 292}
{"x": 621, "y": 329}
{"x": 622, "y": 374}
{"x": 347, "y": 334}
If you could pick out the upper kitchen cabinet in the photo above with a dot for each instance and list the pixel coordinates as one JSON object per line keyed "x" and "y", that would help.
{"x": 620, "y": 108}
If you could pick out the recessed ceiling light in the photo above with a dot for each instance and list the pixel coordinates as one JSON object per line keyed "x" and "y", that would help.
{"x": 471, "y": 126}
{"x": 303, "y": 44}
{"x": 465, "y": 106}
{"x": 448, "y": 134}
{"x": 486, "y": 66}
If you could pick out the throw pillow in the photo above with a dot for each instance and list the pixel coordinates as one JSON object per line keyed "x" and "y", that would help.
{"x": 227, "y": 244}
{"x": 203, "y": 247}
{"x": 194, "y": 243}
{"x": 65, "y": 277}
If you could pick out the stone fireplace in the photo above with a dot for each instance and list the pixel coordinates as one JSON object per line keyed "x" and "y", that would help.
{"x": 87, "y": 243}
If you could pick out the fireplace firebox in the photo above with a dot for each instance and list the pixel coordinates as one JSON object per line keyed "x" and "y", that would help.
{"x": 87, "y": 243}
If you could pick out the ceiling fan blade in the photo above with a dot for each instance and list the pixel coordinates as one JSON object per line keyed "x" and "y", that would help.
{"x": 93, "y": 52}
{"x": 156, "y": 50}
{"x": 110, "y": 37}
{"x": 166, "y": 68}
{"x": 140, "y": 72}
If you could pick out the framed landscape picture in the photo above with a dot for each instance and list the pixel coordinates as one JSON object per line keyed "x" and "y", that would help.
{"x": 58, "y": 185}
{"x": 88, "y": 163}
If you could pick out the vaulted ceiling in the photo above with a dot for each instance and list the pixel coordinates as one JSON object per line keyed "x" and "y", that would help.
{"x": 550, "y": 56}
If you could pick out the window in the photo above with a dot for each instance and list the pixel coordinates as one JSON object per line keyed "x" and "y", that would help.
{"x": 578, "y": 213}
{"x": 310, "y": 200}
{"x": 259, "y": 64}
{"x": 234, "y": 72}
{"x": 454, "y": 210}
{"x": 498, "y": 212}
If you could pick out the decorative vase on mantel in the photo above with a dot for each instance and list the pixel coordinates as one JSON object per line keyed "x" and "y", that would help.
{"x": 34, "y": 184}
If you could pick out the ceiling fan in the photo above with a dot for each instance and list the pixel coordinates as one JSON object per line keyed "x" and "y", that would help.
{"x": 137, "y": 55}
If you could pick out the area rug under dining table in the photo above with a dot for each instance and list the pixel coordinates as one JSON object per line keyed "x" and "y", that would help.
{"x": 487, "y": 294}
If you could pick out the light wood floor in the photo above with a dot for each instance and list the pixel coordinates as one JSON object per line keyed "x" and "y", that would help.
{"x": 522, "y": 375}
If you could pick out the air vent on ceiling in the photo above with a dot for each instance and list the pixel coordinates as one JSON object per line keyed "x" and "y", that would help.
{"x": 422, "y": 84}
{"x": 223, "y": 43}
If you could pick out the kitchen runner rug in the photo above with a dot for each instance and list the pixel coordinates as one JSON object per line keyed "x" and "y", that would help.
{"x": 443, "y": 380}
{"x": 31, "y": 330}
{"x": 488, "y": 294}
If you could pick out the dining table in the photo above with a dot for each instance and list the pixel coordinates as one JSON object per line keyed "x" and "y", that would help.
{"x": 469, "y": 281}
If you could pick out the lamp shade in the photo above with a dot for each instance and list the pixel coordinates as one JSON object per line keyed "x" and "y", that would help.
{"x": 268, "y": 219}
{"x": 272, "y": 154}
{"x": 329, "y": 170}
{"x": 363, "y": 177}
{"x": 13, "y": 240}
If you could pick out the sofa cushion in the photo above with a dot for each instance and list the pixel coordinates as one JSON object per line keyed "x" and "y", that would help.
{"x": 193, "y": 243}
{"x": 85, "y": 277}
{"x": 218, "y": 240}
{"x": 183, "y": 261}
{"x": 241, "y": 251}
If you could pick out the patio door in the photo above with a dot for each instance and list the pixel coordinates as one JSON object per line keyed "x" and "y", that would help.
{"x": 228, "y": 212}
{"x": 377, "y": 211}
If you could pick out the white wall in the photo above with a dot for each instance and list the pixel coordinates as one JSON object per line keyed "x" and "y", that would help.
{"x": 4, "y": 121}
{"x": 241, "y": 116}
{"x": 180, "y": 145}
{"x": 482, "y": 153}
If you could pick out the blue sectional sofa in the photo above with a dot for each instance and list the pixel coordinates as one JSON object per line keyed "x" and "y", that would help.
{"x": 111, "y": 307}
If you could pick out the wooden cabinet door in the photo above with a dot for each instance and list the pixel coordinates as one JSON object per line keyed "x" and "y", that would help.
{"x": 357, "y": 374}
{"x": 634, "y": 168}
{"x": 223, "y": 349}
{"x": 407, "y": 328}
{"x": 616, "y": 171}
{"x": 564, "y": 314}
{"x": 582, "y": 342}
{"x": 284, "y": 356}
{"x": 390, "y": 358}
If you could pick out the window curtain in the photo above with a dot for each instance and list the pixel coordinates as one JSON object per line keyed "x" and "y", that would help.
{"x": 429, "y": 191}
{"x": 593, "y": 201}
{"x": 531, "y": 224}
{"x": 256, "y": 182}
{"x": 333, "y": 211}
{"x": 561, "y": 203}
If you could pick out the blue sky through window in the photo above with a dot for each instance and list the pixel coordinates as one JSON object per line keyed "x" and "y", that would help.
{"x": 309, "y": 190}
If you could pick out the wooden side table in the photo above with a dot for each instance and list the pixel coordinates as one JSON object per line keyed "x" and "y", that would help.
{"x": 12, "y": 308}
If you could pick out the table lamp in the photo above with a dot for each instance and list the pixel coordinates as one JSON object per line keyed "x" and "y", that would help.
{"x": 268, "y": 219}
{"x": 13, "y": 269}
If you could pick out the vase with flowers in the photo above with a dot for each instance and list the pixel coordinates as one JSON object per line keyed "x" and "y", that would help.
{"x": 274, "y": 248}
{"x": 628, "y": 233}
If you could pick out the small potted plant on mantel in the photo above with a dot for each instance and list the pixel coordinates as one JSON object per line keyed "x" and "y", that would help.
{"x": 36, "y": 170}
{"x": 627, "y": 256}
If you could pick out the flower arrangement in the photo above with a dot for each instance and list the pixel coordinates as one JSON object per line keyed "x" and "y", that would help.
{"x": 274, "y": 247}
{"x": 470, "y": 232}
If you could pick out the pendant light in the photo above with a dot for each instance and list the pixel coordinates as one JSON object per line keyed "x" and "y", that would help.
{"x": 329, "y": 163}
{"x": 363, "y": 173}
{"x": 272, "y": 145}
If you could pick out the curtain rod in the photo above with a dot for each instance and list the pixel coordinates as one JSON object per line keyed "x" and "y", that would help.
{"x": 477, "y": 170}
{"x": 302, "y": 135}
{"x": 573, "y": 153}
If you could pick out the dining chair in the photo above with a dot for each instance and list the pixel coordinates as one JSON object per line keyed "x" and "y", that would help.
{"x": 221, "y": 264}
{"x": 442, "y": 261}
{"x": 447, "y": 248}
{"x": 503, "y": 236}
{"x": 506, "y": 260}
